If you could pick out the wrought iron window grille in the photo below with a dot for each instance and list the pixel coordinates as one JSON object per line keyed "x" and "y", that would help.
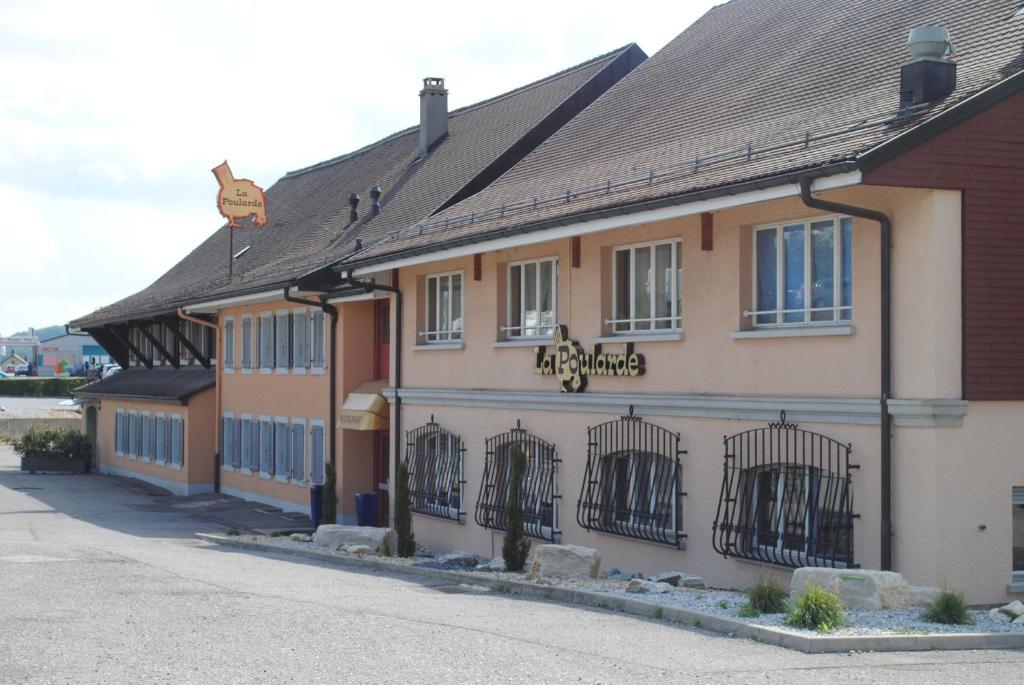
{"x": 539, "y": 489}
{"x": 786, "y": 498}
{"x": 633, "y": 481}
{"x": 435, "y": 458}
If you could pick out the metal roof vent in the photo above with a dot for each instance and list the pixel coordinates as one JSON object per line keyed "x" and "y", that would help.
{"x": 353, "y": 208}
{"x": 930, "y": 73}
{"x": 375, "y": 192}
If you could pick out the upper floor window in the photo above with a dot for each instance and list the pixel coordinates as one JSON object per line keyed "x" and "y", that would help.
{"x": 443, "y": 308}
{"x": 532, "y": 296}
{"x": 229, "y": 344}
{"x": 647, "y": 286}
{"x": 265, "y": 344}
{"x": 247, "y": 342}
{"x": 803, "y": 272}
{"x": 282, "y": 340}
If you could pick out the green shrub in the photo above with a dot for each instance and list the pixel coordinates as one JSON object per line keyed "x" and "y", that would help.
{"x": 748, "y": 611}
{"x": 60, "y": 443}
{"x": 403, "y": 514}
{"x": 516, "y": 547}
{"x": 39, "y": 387}
{"x": 329, "y": 496}
{"x": 817, "y": 609}
{"x": 767, "y": 596}
{"x": 949, "y": 608}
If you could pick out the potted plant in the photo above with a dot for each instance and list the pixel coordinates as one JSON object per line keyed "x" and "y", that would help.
{"x": 54, "y": 450}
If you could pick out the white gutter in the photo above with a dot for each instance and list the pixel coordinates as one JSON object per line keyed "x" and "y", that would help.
{"x": 850, "y": 178}
{"x": 238, "y": 301}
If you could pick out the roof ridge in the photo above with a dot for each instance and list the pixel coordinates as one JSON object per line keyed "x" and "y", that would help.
{"x": 459, "y": 111}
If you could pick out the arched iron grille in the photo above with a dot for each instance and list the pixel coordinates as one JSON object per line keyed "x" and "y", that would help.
{"x": 434, "y": 457}
{"x": 539, "y": 488}
{"x": 786, "y": 498}
{"x": 633, "y": 482}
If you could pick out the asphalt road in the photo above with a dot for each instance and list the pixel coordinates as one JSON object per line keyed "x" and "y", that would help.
{"x": 98, "y": 584}
{"x": 16, "y": 407}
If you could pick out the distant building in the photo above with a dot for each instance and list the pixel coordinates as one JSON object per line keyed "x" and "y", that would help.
{"x": 11, "y": 362}
{"x": 66, "y": 355}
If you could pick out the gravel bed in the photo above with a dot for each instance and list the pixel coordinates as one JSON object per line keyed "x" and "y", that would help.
{"x": 726, "y": 603}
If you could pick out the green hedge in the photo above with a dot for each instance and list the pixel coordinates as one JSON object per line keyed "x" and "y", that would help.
{"x": 39, "y": 387}
{"x": 60, "y": 444}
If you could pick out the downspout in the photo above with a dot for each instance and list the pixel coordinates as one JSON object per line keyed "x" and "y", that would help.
{"x": 370, "y": 286}
{"x": 331, "y": 311}
{"x": 216, "y": 388}
{"x": 886, "y": 351}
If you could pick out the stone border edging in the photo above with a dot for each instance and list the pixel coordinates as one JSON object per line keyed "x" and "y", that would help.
{"x": 810, "y": 644}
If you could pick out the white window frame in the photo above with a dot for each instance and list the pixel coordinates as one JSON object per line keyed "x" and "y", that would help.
{"x": 780, "y": 310}
{"x": 281, "y": 420}
{"x": 252, "y": 334}
{"x": 282, "y": 366}
{"x": 161, "y": 446}
{"x": 317, "y": 423}
{"x": 133, "y": 428}
{"x": 508, "y": 329}
{"x": 229, "y": 345}
{"x": 227, "y": 442}
{"x": 440, "y": 337}
{"x": 299, "y": 366}
{"x": 320, "y": 341}
{"x": 120, "y": 441}
{"x": 1018, "y": 499}
{"x": 297, "y": 421}
{"x": 266, "y": 322}
{"x": 676, "y": 314}
{"x": 242, "y": 440}
{"x": 262, "y": 444}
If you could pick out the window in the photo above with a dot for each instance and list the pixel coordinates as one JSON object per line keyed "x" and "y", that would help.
{"x": 247, "y": 343}
{"x": 538, "y": 491}
{"x": 316, "y": 452}
{"x": 532, "y": 295}
{"x": 133, "y": 434}
{"x": 786, "y": 498}
{"x": 647, "y": 286}
{"x": 434, "y": 458}
{"x": 161, "y": 438}
{"x": 281, "y": 448}
{"x": 266, "y": 342}
{"x": 229, "y": 344}
{"x": 245, "y": 444}
{"x": 297, "y": 452}
{"x": 300, "y": 334}
{"x": 119, "y": 433}
{"x": 633, "y": 482}
{"x": 148, "y": 437}
{"x": 443, "y": 308}
{"x": 803, "y": 273}
{"x": 266, "y": 447}
{"x": 227, "y": 441}
{"x": 282, "y": 341}
{"x": 177, "y": 441}
{"x": 316, "y": 340}
{"x": 1018, "y": 535}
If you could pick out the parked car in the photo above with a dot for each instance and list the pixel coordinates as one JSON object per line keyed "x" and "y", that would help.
{"x": 110, "y": 370}
{"x": 21, "y": 370}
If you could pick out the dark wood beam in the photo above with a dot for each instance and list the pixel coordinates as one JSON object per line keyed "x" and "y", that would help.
{"x": 157, "y": 344}
{"x": 125, "y": 340}
{"x": 117, "y": 350}
{"x": 175, "y": 326}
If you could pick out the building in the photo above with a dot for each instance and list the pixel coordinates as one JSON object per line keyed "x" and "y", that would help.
{"x": 10, "y": 363}
{"x": 67, "y": 355}
{"x": 756, "y": 307}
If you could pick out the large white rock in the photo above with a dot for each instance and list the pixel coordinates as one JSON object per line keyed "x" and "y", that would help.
{"x": 382, "y": 541}
{"x": 564, "y": 561}
{"x": 679, "y": 579}
{"x": 858, "y": 588}
{"x": 1014, "y": 609}
{"x": 648, "y": 587}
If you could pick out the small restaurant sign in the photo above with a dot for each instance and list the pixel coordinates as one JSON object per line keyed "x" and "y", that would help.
{"x": 571, "y": 365}
{"x": 239, "y": 198}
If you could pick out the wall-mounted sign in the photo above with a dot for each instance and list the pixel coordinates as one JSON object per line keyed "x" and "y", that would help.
{"x": 239, "y": 198}
{"x": 571, "y": 365}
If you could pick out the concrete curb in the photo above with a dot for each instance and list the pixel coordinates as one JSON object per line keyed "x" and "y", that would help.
{"x": 811, "y": 644}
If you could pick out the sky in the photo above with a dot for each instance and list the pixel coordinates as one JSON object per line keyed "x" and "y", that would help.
{"x": 113, "y": 114}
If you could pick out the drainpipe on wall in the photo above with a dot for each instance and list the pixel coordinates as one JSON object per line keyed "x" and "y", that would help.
{"x": 332, "y": 312}
{"x": 216, "y": 390}
{"x": 886, "y": 351}
{"x": 369, "y": 286}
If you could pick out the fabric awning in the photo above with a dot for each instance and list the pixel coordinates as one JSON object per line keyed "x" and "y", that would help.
{"x": 365, "y": 409}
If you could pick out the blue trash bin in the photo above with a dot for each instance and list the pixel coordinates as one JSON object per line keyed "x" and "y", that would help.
{"x": 316, "y": 504}
{"x": 366, "y": 509}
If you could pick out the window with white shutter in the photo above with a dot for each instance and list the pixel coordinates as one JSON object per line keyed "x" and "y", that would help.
{"x": 316, "y": 452}
{"x": 119, "y": 433}
{"x": 316, "y": 340}
{"x": 281, "y": 448}
{"x": 133, "y": 435}
{"x": 161, "y": 439}
{"x": 266, "y": 447}
{"x": 297, "y": 453}
{"x": 229, "y": 344}
{"x": 300, "y": 336}
{"x": 247, "y": 343}
{"x": 236, "y": 444}
{"x": 282, "y": 341}
{"x": 265, "y": 334}
{"x": 227, "y": 440}
{"x": 177, "y": 441}
{"x": 147, "y": 434}
{"x": 246, "y": 443}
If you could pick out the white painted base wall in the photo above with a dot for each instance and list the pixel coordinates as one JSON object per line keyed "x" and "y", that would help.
{"x": 176, "y": 488}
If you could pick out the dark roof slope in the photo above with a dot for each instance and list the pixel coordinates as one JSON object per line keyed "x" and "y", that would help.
{"x": 161, "y": 383}
{"x": 309, "y": 212}
{"x": 753, "y": 90}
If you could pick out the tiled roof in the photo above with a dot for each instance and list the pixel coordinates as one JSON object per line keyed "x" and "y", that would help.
{"x": 753, "y": 90}
{"x": 161, "y": 383}
{"x": 309, "y": 212}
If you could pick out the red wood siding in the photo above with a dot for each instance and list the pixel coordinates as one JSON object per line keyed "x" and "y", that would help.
{"x": 984, "y": 157}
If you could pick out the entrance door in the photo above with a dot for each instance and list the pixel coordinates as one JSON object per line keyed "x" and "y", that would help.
{"x": 382, "y": 339}
{"x": 382, "y": 474}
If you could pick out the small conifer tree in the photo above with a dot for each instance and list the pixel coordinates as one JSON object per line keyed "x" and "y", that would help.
{"x": 403, "y": 515}
{"x": 516, "y": 546}
{"x": 329, "y": 498}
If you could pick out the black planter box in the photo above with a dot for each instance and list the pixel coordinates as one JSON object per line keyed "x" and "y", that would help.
{"x": 33, "y": 463}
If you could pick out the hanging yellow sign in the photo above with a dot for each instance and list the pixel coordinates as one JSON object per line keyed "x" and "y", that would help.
{"x": 239, "y": 198}
{"x": 571, "y": 365}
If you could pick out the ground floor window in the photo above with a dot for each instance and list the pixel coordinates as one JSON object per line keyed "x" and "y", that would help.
{"x": 316, "y": 452}
{"x": 434, "y": 458}
{"x": 786, "y": 498}
{"x": 633, "y": 481}
{"x": 538, "y": 490}
{"x": 1018, "y": 535}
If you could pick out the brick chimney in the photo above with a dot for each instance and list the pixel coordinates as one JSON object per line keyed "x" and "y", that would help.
{"x": 433, "y": 113}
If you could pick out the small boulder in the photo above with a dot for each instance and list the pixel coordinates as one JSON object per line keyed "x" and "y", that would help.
{"x": 997, "y": 615}
{"x": 299, "y": 537}
{"x": 564, "y": 562}
{"x": 679, "y": 579}
{"x": 357, "y": 550}
{"x": 382, "y": 541}
{"x": 495, "y": 564}
{"x": 1014, "y": 609}
{"x": 1018, "y": 620}
{"x": 648, "y": 587}
{"x": 459, "y": 559}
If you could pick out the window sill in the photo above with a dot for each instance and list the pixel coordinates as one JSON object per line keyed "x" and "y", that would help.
{"x": 280, "y": 370}
{"x": 281, "y": 479}
{"x": 523, "y": 342}
{"x": 176, "y": 467}
{"x": 229, "y": 369}
{"x": 667, "y": 336}
{"x": 245, "y": 472}
{"x": 318, "y": 371}
{"x": 300, "y": 371}
{"x": 795, "y": 332}
{"x": 228, "y": 467}
{"x": 1016, "y": 586}
{"x": 455, "y": 345}
{"x": 264, "y": 475}
{"x": 266, "y": 372}
{"x": 145, "y": 460}
{"x": 246, "y": 372}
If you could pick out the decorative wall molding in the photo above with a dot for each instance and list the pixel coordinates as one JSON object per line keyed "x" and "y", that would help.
{"x": 926, "y": 413}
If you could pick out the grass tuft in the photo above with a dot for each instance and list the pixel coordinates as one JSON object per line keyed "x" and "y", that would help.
{"x": 748, "y": 610}
{"x": 767, "y": 596}
{"x": 817, "y": 609}
{"x": 948, "y": 608}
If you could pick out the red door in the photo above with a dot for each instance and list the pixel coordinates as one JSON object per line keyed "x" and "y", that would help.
{"x": 382, "y": 339}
